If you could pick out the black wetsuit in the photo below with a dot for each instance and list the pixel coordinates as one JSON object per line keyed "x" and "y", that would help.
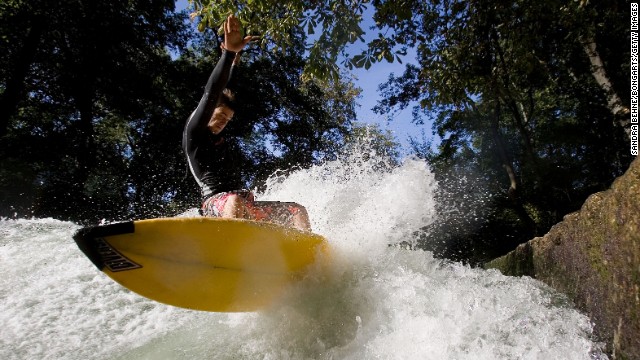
{"x": 211, "y": 157}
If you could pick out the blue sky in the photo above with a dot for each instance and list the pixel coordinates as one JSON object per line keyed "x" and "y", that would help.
{"x": 368, "y": 80}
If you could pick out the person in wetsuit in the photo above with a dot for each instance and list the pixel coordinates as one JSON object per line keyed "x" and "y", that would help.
{"x": 210, "y": 156}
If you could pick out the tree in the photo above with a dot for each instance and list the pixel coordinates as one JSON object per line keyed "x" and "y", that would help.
{"x": 96, "y": 134}
{"x": 84, "y": 60}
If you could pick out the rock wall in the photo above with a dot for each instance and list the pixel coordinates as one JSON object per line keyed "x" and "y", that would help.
{"x": 593, "y": 256}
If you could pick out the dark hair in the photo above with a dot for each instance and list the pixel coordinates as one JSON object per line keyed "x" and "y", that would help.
{"x": 228, "y": 99}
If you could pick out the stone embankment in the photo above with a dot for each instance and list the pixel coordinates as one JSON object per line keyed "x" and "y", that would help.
{"x": 593, "y": 256}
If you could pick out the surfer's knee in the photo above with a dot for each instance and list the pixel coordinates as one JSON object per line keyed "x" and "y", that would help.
{"x": 300, "y": 217}
{"x": 301, "y": 210}
{"x": 235, "y": 207}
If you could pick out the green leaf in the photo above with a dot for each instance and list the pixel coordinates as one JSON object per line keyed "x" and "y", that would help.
{"x": 310, "y": 28}
{"x": 388, "y": 56}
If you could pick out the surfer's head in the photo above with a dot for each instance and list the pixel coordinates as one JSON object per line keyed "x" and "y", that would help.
{"x": 223, "y": 113}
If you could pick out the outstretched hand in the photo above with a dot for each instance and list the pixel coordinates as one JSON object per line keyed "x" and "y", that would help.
{"x": 233, "y": 40}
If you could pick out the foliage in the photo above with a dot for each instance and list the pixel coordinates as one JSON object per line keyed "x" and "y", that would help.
{"x": 512, "y": 96}
{"x": 330, "y": 25}
{"x": 93, "y": 130}
{"x": 89, "y": 64}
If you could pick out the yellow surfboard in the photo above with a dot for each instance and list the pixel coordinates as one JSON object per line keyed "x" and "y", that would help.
{"x": 209, "y": 264}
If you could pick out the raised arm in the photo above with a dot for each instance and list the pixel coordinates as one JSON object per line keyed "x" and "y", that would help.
{"x": 216, "y": 83}
{"x": 221, "y": 74}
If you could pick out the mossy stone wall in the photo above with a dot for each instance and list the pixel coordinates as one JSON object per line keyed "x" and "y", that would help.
{"x": 593, "y": 256}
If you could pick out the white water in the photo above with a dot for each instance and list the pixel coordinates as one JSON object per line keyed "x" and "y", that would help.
{"x": 381, "y": 303}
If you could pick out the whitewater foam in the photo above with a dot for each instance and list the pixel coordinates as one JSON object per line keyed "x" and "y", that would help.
{"x": 380, "y": 300}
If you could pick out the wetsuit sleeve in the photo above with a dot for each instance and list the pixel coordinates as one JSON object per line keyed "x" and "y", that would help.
{"x": 196, "y": 137}
{"x": 233, "y": 78}
{"x": 217, "y": 82}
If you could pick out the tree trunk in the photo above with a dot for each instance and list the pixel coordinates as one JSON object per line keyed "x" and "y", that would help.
{"x": 507, "y": 165}
{"x": 620, "y": 112}
{"x": 514, "y": 185}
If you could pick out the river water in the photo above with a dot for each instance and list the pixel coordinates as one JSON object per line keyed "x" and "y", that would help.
{"x": 380, "y": 301}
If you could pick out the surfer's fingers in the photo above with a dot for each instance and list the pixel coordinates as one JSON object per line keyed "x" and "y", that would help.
{"x": 228, "y": 26}
{"x": 248, "y": 39}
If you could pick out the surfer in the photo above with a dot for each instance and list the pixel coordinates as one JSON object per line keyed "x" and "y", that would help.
{"x": 211, "y": 157}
